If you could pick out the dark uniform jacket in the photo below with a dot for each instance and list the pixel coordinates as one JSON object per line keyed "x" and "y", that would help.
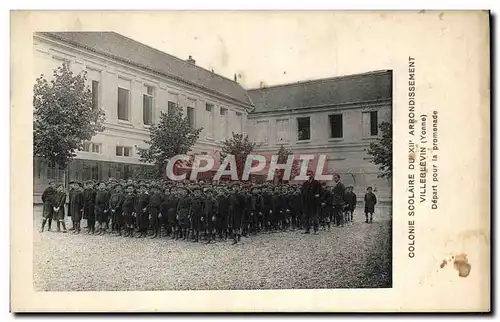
{"x": 59, "y": 202}
{"x": 350, "y": 199}
{"x": 101, "y": 201}
{"x": 116, "y": 202}
{"x": 309, "y": 191}
{"x": 48, "y": 201}
{"x": 129, "y": 201}
{"x": 338, "y": 194}
{"x": 370, "y": 201}
{"x": 156, "y": 200}
{"x": 76, "y": 205}
{"x": 142, "y": 202}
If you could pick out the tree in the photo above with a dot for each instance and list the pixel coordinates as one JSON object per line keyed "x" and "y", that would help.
{"x": 171, "y": 136}
{"x": 283, "y": 154}
{"x": 64, "y": 116}
{"x": 381, "y": 151}
{"x": 240, "y": 146}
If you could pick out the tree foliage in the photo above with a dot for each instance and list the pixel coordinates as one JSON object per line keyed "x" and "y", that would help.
{"x": 283, "y": 154}
{"x": 381, "y": 150}
{"x": 240, "y": 146}
{"x": 63, "y": 116}
{"x": 171, "y": 136}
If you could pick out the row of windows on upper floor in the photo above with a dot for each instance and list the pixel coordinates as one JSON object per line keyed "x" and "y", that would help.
{"x": 123, "y": 107}
{"x": 370, "y": 123}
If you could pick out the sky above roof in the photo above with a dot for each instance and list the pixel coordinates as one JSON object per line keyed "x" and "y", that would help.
{"x": 267, "y": 47}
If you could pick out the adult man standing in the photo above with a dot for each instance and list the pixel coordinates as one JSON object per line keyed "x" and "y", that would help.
{"x": 311, "y": 191}
{"x": 338, "y": 200}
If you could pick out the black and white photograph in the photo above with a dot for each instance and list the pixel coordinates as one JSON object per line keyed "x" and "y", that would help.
{"x": 142, "y": 179}
{"x": 250, "y": 161}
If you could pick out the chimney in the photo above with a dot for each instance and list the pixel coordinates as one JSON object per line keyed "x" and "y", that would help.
{"x": 235, "y": 78}
{"x": 191, "y": 60}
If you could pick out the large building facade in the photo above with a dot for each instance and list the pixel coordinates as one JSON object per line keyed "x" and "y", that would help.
{"x": 134, "y": 83}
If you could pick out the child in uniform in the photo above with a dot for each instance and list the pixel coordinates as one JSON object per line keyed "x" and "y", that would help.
{"x": 370, "y": 202}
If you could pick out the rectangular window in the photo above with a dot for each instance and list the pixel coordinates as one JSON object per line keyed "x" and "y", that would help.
{"x": 123, "y": 151}
{"x": 147, "y": 106}
{"x": 282, "y": 131}
{"x": 95, "y": 94}
{"x": 172, "y": 106}
{"x": 239, "y": 118}
{"x": 123, "y": 103}
{"x": 224, "y": 122}
{"x": 370, "y": 123}
{"x": 95, "y": 171}
{"x": 210, "y": 120}
{"x": 190, "y": 116}
{"x": 92, "y": 147}
{"x": 262, "y": 131}
{"x": 96, "y": 148}
{"x": 336, "y": 126}
{"x": 303, "y": 128}
{"x": 374, "y": 123}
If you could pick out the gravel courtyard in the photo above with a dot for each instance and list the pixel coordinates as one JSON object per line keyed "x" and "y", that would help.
{"x": 356, "y": 256}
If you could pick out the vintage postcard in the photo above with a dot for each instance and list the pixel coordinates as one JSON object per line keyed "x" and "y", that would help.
{"x": 250, "y": 161}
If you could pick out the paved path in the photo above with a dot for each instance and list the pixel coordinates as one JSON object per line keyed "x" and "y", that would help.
{"x": 356, "y": 256}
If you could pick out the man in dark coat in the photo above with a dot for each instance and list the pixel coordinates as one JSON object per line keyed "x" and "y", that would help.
{"x": 311, "y": 192}
{"x": 76, "y": 206}
{"x": 48, "y": 204}
{"x": 89, "y": 206}
{"x": 338, "y": 191}
{"x": 370, "y": 202}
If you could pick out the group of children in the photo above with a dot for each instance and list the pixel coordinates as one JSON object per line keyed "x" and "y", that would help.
{"x": 197, "y": 211}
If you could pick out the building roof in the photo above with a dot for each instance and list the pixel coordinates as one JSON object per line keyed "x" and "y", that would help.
{"x": 371, "y": 86}
{"x": 130, "y": 51}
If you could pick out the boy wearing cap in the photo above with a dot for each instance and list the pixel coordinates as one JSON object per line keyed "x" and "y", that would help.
{"x": 115, "y": 207}
{"x": 223, "y": 215}
{"x": 59, "y": 202}
{"x": 89, "y": 195}
{"x": 128, "y": 206}
{"x": 182, "y": 211}
{"x": 370, "y": 202}
{"x": 101, "y": 207}
{"x": 48, "y": 204}
{"x": 350, "y": 199}
{"x": 168, "y": 210}
{"x": 76, "y": 206}
{"x": 196, "y": 213}
{"x": 141, "y": 210}
{"x": 155, "y": 203}
{"x": 209, "y": 218}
